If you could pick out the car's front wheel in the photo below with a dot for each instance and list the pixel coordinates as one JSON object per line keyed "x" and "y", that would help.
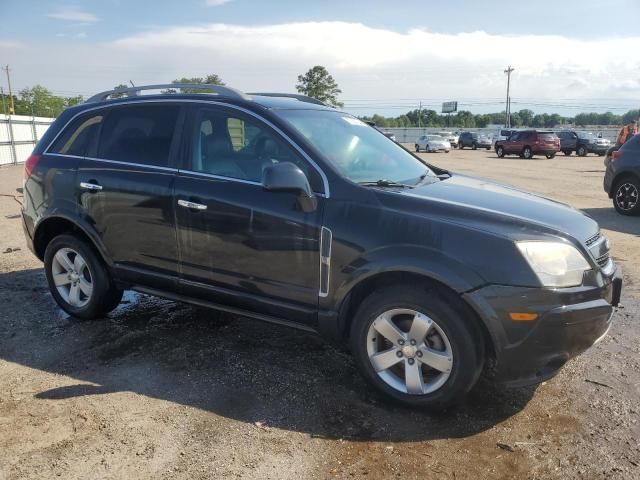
{"x": 625, "y": 196}
{"x": 582, "y": 151}
{"x": 474, "y": 146}
{"x": 461, "y": 146}
{"x": 417, "y": 148}
{"x": 550, "y": 155}
{"x": 500, "y": 152}
{"x": 416, "y": 347}
{"x": 567, "y": 152}
{"x": 78, "y": 279}
{"x": 527, "y": 153}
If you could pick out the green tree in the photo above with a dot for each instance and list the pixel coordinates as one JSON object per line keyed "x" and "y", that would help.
{"x": 526, "y": 117}
{"x": 319, "y": 84}
{"x": 122, "y": 86}
{"x": 211, "y": 79}
{"x": 40, "y": 102}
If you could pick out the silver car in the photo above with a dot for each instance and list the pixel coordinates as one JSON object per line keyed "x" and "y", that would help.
{"x": 432, "y": 143}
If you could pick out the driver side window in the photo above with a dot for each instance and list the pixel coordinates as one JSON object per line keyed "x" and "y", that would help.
{"x": 230, "y": 145}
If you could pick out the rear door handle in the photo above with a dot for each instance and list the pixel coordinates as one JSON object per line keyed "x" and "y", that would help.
{"x": 90, "y": 186}
{"x": 191, "y": 205}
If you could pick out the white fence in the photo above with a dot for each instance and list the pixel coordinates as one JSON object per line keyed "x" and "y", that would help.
{"x": 18, "y": 135}
{"x": 410, "y": 134}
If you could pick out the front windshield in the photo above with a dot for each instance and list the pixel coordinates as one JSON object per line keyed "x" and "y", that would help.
{"x": 359, "y": 152}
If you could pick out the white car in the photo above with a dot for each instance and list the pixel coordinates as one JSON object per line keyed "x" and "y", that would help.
{"x": 432, "y": 143}
{"x": 451, "y": 137}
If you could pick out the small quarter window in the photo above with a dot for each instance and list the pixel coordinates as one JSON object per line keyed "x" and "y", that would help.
{"x": 77, "y": 137}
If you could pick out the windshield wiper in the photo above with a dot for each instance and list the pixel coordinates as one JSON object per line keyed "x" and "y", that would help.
{"x": 384, "y": 183}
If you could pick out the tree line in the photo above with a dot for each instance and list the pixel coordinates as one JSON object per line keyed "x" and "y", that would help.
{"x": 318, "y": 83}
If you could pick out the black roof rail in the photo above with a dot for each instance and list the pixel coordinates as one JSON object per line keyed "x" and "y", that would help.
{"x": 134, "y": 91}
{"x": 301, "y": 98}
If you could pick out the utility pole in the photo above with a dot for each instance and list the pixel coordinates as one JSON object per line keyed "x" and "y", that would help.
{"x": 11, "y": 106}
{"x": 508, "y": 106}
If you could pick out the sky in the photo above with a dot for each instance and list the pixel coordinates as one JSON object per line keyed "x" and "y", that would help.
{"x": 387, "y": 57}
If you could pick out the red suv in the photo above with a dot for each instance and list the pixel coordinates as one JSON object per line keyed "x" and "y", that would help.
{"x": 528, "y": 143}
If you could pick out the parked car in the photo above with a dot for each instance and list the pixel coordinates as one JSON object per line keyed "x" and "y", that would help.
{"x": 279, "y": 208}
{"x": 527, "y": 143}
{"x": 622, "y": 177}
{"x": 474, "y": 141}
{"x": 502, "y": 134}
{"x": 451, "y": 137}
{"x": 389, "y": 135}
{"x": 582, "y": 143}
{"x": 432, "y": 143}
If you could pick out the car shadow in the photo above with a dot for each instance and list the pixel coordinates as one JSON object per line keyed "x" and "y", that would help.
{"x": 240, "y": 369}
{"x": 609, "y": 219}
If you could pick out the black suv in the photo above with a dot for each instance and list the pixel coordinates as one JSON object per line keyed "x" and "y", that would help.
{"x": 582, "y": 143}
{"x": 474, "y": 141}
{"x": 280, "y": 208}
{"x": 622, "y": 177}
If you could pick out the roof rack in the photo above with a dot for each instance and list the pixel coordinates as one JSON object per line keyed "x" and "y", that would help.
{"x": 134, "y": 91}
{"x": 301, "y": 98}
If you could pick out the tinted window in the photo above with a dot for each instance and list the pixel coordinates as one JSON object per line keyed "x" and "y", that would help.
{"x": 547, "y": 136}
{"x": 228, "y": 145}
{"x": 139, "y": 134}
{"x": 515, "y": 136}
{"x": 78, "y": 135}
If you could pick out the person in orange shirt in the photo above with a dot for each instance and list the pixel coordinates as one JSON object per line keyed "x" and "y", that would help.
{"x": 627, "y": 132}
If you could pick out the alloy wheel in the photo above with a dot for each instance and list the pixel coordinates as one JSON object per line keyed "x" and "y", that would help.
{"x": 72, "y": 277}
{"x": 409, "y": 351}
{"x": 627, "y": 196}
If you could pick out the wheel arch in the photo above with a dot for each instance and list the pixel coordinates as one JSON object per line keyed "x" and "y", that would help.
{"x": 620, "y": 176}
{"x": 50, "y": 227}
{"x": 365, "y": 286}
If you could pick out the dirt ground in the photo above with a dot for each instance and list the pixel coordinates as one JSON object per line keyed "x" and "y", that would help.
{"x": 163, "y": 390}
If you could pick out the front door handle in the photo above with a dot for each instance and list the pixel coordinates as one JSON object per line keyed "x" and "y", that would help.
{"x": 90, "y": 186}
{"x": 191, "y": 205}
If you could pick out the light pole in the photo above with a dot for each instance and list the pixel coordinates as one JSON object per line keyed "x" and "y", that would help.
{"x": 507, "y": 112}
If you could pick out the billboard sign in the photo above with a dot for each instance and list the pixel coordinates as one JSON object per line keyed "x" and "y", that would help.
{"x": 449, "y": 107}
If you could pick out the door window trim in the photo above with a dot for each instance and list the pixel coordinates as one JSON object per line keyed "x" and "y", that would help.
{"x": 325, "y": 181}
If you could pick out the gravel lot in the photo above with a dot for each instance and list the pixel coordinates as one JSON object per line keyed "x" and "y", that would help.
{"x": 164, "y": 390}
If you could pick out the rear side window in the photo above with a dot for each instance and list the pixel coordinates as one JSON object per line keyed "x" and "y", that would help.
{"x": 139, "y": 134}
{"x": 77, "y": 137}
{"x": 547, "y": 136}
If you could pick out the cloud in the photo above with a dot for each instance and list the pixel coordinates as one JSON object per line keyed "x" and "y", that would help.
{"x": 216, "y": 3}
{"x": 368, "y": 63}
{"x": 73, "y": 14}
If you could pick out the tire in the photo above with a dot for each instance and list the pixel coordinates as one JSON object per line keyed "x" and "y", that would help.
{"x": 417, "y": 148}
{"x": 527, "y": 153}
{"x": 461, "y": 146}
{"x": 500, "y": 152}
{"x": 488, "y": 148}
{"x": 626, "y": 193}
{"x": 78, "y": 279}
{"x": 550, "y": 155}
{"x": 567, "y": 152}
{"x": 426, "y": 148}
{"x": 474, "y": 146}
{"x": 601, "y": 154}
{"x": 448, "y": 341}
{"x": 582, "y": 151}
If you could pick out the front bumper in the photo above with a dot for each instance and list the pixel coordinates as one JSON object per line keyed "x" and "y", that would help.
{"x": 570, "y": 320}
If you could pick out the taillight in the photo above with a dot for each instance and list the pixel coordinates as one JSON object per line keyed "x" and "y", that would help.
{"x": 615, "y": 155}
{"x": 30, "y": 164}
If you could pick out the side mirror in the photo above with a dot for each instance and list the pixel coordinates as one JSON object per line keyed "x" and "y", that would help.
{"x": 287, "y": 177}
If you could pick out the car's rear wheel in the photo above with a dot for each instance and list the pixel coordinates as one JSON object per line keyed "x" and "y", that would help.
{"x": 567, "y": 152}
{"x": 625, "y": 196}
{"x": 417, "y": 148}
{"x": 78, "y": 279}
{"x": 500, "y": 152}
{"x": 461, "y": 146}
{"x": 582, "y": 151}
{"x": 550, "y": 155}
{"x": 474, "y": 146}
{"x": 527, "y": 153}
{"x": 488, "y": 148}
{"x": 416, "y": 347}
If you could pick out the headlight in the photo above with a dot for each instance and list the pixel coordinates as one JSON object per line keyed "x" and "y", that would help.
{"x": 556, "y": 264}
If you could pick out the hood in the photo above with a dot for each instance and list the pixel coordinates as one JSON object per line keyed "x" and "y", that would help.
{"x": 483, "y": 198}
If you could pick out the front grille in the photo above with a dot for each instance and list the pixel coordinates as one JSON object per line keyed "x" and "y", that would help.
{"x": 602, "y": 260}
{"x": 591, "y": 240}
